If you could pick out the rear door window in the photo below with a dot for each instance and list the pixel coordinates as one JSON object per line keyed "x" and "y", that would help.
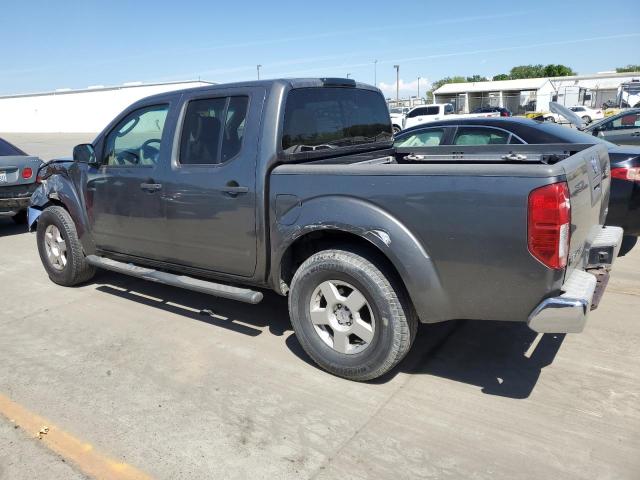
{"x": 327, "y": 118}
{"x": 213, "y": 130}
{"x": 480, "y": 136}
{"x": 425, "y": 138}
{"x": 424, "y": 111}
{"x": 626, "y": 121}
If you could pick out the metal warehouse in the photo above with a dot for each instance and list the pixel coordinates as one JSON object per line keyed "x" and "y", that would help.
{"x": 76, "y": 111}
{"x": 534, "y": 94}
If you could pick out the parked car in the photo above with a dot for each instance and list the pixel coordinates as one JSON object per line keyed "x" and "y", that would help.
{"x": 294, "y": 185}
{"x": 504, "y": 112}
{"x": 624, "y": 204}
{"x": 623, "y": 128}
{"x": 397, "y": 117}
{"x": 17, "y": 181}
{"x": 438, "y": 111}
{"x": 587, "y": 114}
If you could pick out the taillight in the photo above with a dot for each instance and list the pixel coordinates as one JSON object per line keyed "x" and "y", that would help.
{"x": 27, "y": 173}
{"x": 549, "y": 219}
{"x": 626, "y": 173}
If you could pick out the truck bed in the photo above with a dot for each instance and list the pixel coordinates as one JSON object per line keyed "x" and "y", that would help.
{"x": 467, "y": 208}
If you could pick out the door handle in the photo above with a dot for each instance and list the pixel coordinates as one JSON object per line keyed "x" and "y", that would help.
{"x": 233, "y": 189}
{"x": 151, "y": 187}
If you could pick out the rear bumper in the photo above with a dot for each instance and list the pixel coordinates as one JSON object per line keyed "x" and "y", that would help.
{"x": 15, "y": 198}
{"x": 568, "y": 312}
{"x": 12, "y": 206}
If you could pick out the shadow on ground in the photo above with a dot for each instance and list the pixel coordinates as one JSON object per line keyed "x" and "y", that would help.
{"x": 499, "y": 357}
{"x": 8, "y": 227}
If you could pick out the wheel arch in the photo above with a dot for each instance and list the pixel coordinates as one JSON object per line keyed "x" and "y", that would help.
{"x": 327, "y": 222}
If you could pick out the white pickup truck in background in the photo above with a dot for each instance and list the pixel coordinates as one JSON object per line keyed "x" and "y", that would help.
{"x": 438, "y": 111}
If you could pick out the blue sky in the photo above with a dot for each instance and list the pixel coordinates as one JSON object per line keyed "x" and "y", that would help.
{"x": 46, "y": 45}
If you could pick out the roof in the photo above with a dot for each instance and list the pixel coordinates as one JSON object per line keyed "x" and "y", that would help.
{"x": 492, "y": 86}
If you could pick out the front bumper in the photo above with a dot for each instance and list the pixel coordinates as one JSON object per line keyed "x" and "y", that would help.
{"x": 582, "y": 290}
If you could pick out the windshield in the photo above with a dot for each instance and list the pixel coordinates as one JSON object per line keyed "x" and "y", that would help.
{"x": 333, "y": 117}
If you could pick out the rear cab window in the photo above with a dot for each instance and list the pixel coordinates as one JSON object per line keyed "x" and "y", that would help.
{"x": 424, "y": 111}
{"x": 328, "y": 118}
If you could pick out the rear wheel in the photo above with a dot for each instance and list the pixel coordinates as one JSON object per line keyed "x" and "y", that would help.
{"x": 60, "y": 250}
{"x": 349, "y": 315}
{"x": 586, "y": 119}
{"x": 550, "y": 119}
{"x": 396, "y": 129}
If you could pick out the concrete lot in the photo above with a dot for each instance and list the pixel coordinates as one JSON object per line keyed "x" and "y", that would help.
{"x": 182, "y": 385}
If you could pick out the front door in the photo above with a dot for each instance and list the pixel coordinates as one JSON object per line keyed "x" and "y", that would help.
{"x": 211, "y": 196}
{"x": 624, "y": 130}
{"x": 124, "y": 202}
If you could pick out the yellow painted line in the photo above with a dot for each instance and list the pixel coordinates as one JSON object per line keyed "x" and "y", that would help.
{"x": 82, "y": 454}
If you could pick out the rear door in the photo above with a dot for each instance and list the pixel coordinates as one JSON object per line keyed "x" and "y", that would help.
{"x": 211, "y": 189}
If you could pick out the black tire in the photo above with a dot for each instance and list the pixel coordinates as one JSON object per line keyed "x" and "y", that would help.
{"x": 20, "y": 218}
{"x": 550, "y": 119}
{"x": 628, "y": 242}
{"x": 586, "y": 119}
{"x": 76, "y": 270}
{"x": 396, "y": 323}
{"x": 396, "y": 129}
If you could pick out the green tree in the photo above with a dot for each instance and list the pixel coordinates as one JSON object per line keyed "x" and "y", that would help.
{"x": 476, "y": 78}
{"x": 628, "y": 68}
{"x": 501, "y": 76}
{"x": 526, "y": 71}
{"x": 552, "y": 70}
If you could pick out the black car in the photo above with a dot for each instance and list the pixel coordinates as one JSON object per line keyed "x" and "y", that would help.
{"x": 488, "y": 109}
{"x": 624, "y": 204}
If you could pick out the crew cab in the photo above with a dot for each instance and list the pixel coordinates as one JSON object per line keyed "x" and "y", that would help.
{"x": 439, "y": 111}
{"x": 295, "y": 186}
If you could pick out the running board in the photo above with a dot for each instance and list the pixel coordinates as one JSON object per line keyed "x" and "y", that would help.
{"x": 182, "y": 281}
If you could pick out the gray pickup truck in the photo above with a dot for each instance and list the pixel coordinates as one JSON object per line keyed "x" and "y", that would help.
{"x": 294, "y": 186}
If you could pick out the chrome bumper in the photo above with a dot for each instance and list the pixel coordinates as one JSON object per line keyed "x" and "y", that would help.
{"x": 568, "y": 312}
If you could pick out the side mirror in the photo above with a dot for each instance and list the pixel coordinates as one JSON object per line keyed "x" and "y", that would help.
{"x": 84, "y": 153}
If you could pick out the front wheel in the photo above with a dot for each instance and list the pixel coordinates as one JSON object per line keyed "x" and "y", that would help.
{"x": 349, "y": 315}
{"x": 60, "y": 250}
{"x": 396, "y": 129}
{"x": 550, "y": 119}
{"x": 586, "y": 119}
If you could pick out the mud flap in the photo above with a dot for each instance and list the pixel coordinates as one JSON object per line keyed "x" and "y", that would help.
{"x": 34, "y": 213}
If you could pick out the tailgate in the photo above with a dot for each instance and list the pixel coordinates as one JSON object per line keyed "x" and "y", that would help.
{"x": 589, "y": 179}
{"x": 11, "y": 168}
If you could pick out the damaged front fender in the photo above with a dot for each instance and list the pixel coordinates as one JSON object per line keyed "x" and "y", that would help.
{"x": 60, "y": 186}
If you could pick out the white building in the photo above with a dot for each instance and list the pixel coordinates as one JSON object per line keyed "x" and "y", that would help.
{"x": 519, "y": 96}
{"x": 76, "y": 111}
{"x": 534, "y": 94}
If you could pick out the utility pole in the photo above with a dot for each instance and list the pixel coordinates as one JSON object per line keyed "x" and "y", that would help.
{"x": 375, "y": 73}
{"x": 258, "y": 68}
{"x": 419, "y": 87}
{"x": 397, "y": 67}
{"x": 348, "y": 75}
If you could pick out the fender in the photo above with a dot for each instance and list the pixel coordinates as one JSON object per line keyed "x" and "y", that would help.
{"x": 368, "y": 221}
{"x": 57, "y": 187}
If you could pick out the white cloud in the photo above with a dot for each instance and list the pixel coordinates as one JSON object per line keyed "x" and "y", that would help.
{"x": 407, "y": 89}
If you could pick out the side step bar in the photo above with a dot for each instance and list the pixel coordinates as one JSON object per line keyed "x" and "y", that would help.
{"x": 182, "y": 281}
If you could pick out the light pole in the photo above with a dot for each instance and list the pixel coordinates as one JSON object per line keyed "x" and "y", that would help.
{"x": 397, "y": 67}
{"x": 419, "y": 87}
{"x": 348, "y": 75}
{"x": 258, "y": 69}
{"x": 375, "y": 73}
